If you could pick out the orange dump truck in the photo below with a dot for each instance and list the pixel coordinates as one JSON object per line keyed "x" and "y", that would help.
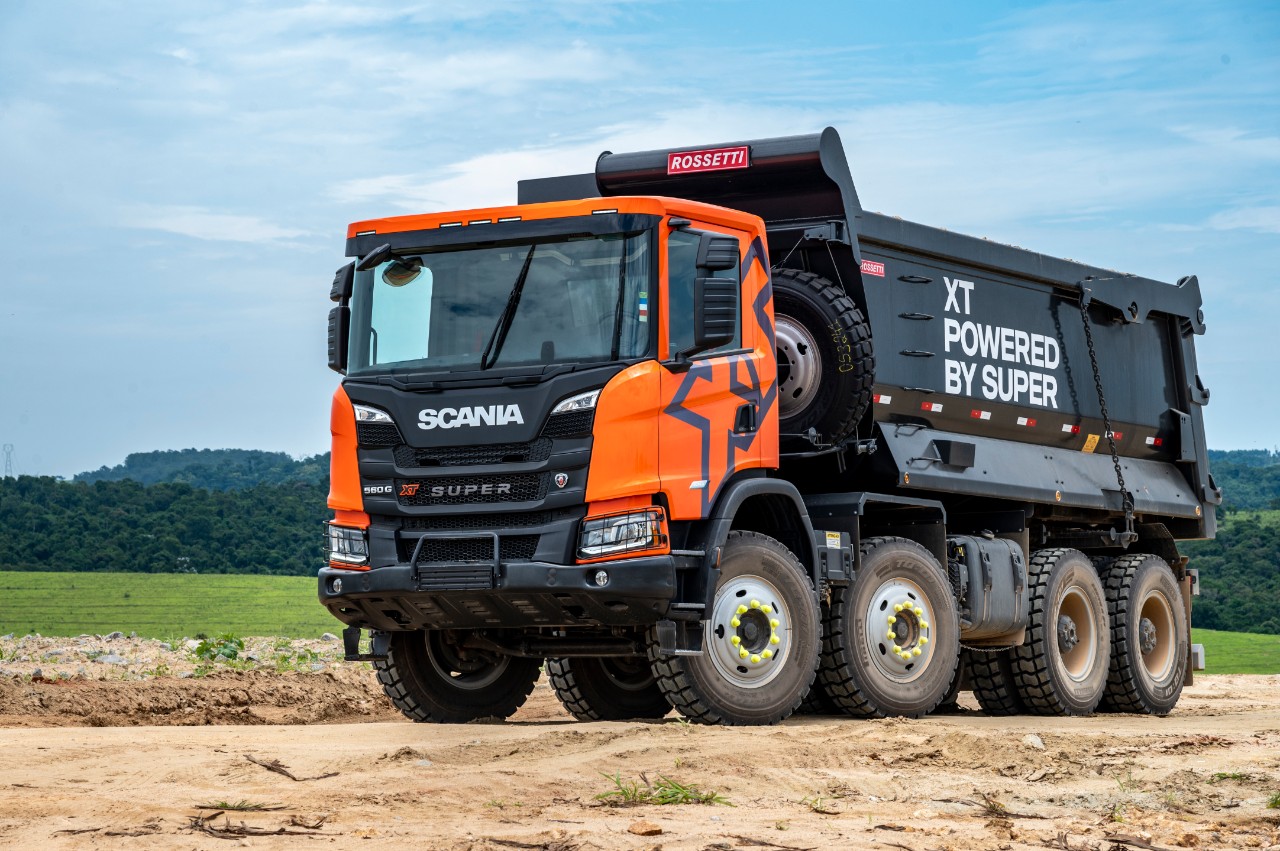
{"x": 696, "y": 431}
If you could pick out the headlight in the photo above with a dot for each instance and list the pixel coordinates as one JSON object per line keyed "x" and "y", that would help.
{"x": 628, "y": 532}
{"x": 365, "y": 414}
{"x": 347, "y": 547}
{"x": 581, "y": 402}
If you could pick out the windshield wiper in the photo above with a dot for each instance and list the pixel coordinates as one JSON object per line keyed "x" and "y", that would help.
{"x": 499, "y": 335}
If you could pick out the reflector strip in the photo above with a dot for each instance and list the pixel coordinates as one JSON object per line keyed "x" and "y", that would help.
{"x": 932, "y": 407}
{"x": 1155, "y": 441}
{"x": 1071, "y": 429}
{"x": 1027, "y": 421}
{"x": 1116, "y": 435}
{"x": 980, "y": 415}
{"x": 882, "y": 399}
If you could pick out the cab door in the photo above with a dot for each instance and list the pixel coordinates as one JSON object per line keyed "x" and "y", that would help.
{"x": 715, "y": 405}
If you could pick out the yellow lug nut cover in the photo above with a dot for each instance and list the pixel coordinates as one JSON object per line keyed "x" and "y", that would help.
{"x": 924, "y": 624}
{"x": 923, "y": 640}
{"x": 768, "y": 610}
{"x": 735, "y": 641}
{"x": 735, "y": 623}
{"x": 773, "y": 639}
{"x": 775, "y": 623}
{"x": 755, "y": 604}
{"x": 897, "y": 607}
{"x": 755, "y": 659}
{"x": 891, "y": 635}
{"x": 919, "y": 612}
{"x": 915, "y": 652}
{"x": 742, "y": 652}
{"x": 768, "y": 654}
{"x": 742, "y": 610}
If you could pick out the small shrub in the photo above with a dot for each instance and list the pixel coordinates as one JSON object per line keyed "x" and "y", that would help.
{"x": 665, "y": 791}
{"x": 224, "y": 648}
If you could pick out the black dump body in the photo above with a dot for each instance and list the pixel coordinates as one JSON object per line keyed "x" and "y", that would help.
{"x": 985, "y": 386}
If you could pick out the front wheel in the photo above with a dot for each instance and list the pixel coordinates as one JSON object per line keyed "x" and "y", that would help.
{"x": 760, "y": 640}
{"x": 1062, "y": 667}
{"x": 607, "y": 689}
{"x": 892, "y": 644}
{"x": 431, "y": 677}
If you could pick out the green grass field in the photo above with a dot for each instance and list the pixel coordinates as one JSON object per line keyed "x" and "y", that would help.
{"x": 1238, "y": 652}
{"x": 161, "y": 605}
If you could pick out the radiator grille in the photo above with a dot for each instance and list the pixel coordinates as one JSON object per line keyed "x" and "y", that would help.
{"x": 377, "y": 435}
{"x": 459, "y": 456}
{"x": 575, "y": 424}
{"x": 466, "y": 522}
{"x": 464, "y": 490}
{"x": 513, "y": 548}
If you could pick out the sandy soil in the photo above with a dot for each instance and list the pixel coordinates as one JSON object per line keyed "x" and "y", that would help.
{"x": 98, "y": 763}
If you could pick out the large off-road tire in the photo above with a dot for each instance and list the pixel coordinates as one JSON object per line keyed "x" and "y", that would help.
{"x": 611, "y": 689}
{"x": 1061, "y": 669}
{"x": 991, "y": 677}
{"x": 1150, "y": 637}
{"x": 825, "y": 361}
{"x": 891, "y": 644}
{"x": 431, "y": 679}
{"x": 818, "y": 702}
{"x": 760, "y": 640}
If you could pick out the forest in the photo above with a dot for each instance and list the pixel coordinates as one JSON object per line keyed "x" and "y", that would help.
{"x": 246, "y": 511}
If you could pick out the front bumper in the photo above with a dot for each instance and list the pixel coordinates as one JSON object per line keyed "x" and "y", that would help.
{"x": 521, "y": 595}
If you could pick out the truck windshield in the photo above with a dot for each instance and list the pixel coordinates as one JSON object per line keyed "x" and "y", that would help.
{"x": 574, "y": 299}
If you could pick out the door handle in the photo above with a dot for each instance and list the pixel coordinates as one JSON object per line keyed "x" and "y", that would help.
{"x": 746, "y": 421}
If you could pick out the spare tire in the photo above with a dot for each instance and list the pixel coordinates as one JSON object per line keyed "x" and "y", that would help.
{"x": 825, "y": 363}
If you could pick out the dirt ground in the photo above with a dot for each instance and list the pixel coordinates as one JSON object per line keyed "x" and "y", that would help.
{"x": 106, "y": 763}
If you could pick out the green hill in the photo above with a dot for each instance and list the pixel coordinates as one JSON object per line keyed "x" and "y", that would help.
{"x": 217, "y": 469}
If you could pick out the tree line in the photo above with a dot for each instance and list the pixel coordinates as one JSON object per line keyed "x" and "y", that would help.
{"x": 245, "y": 511}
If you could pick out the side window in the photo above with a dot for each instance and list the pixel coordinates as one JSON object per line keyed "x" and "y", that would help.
{"x": 682, "y": 269}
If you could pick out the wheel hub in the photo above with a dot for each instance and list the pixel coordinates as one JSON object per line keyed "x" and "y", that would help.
{"x": 1147, "y": 636}
{"x": 1068, "y": 637}
{"x": 747, "y": 634}
{"x": 799, "y": 365}
{"x": 898, "y": 629}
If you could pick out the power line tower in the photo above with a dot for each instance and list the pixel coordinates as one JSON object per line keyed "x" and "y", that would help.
{"x": 8, "y": 460}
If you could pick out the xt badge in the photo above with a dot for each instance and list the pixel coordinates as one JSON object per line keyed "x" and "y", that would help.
{"x": 562, "y": 479}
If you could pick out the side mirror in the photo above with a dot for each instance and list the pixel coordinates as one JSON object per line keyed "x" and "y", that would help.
{"x": 715, "y": 312}
{"x": 343, "y": 280}
{"x": 339, "y": 327}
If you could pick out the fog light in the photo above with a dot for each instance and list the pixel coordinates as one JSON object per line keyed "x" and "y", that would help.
{"x": 602, "y": 578}
{"x": 336, "y": 586}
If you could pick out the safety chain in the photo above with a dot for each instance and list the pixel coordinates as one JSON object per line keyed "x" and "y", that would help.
{"x": 1126, "y": 500}
{"x": 988, "y": 650}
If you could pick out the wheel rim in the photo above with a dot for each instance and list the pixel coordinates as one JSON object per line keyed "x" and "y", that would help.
{"x": 1157, "y": 639}
{"x": 475, "y": 671}
{"x": 799, "y": 366}
{"x": 628, "y": 674}
{"x": 1076, "y": 634}
{"x": 899, "y": 629}
{"x": 749, "y": 633}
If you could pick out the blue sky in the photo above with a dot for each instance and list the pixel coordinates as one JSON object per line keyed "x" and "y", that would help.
{"x": 176, "y": 178}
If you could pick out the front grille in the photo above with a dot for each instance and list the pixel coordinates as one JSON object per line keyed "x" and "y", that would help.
{"x": 467, "y": 522}
{"x": 575, "y": 424}
{"x": 377, "y": 435}
{"x": 462, "y": 490}
{"x": 461, "y": 456}
{"x": 513, "y": 548}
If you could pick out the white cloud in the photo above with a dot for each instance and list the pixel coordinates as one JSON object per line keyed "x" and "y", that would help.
{"x": 1262, "y": 219}
{"x": 201, "y": 223}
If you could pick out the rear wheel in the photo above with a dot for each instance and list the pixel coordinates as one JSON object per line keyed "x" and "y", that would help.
{"x": 431, "y": 677}
{"x": 1149, "y": 636}
{"x": 760, "y": 640}
{"x": 611, "y": 689}
{"x": 825, "y": 362}
{"x": 1061, "y": 669}
{"x": 892, "y": 641}
{"x": 991, "y": 676}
